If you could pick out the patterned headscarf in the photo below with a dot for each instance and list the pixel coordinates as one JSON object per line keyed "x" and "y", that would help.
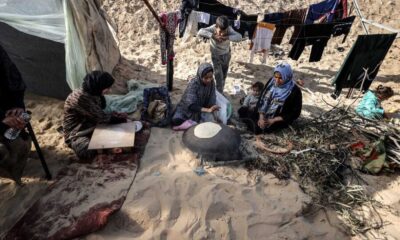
{"x": 203, "y": 69}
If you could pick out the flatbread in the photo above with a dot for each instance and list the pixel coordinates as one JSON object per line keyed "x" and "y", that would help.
{"x": 207, "y": 130}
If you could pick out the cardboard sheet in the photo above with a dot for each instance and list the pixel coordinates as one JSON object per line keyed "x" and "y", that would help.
{"x": 113, "y": 136}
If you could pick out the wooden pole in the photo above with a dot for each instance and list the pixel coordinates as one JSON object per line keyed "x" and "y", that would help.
{"x": 170, "y": 63}
{"x": 154, "y": 14}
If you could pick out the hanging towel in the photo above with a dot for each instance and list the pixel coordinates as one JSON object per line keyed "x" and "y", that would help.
{"x": 191, "y": 26}
{"x": 262, "y": 37}
{"x": 261, "y": 41}
{"x": 203, "y": 17}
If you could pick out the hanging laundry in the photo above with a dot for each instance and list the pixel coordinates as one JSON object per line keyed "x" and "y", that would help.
{"x": 247, "y": 23}
{"x": 326, "y": 11}
{"x": 170, "y": 20}
{"x": 212, "y": 21}
{"x": 246, "y": 28}
{"x": 216, "y": 8}
{"x": 185, "y": 9}
{"x": 368, "y": 52}
{"x": 316, "y": 35}
{"x": 274, "y": 18}
{"x": 342, "y": 27}
{"x": 288, "y": 19}
{"x": 261, "y": 41}
{"x": 203, "y": 17}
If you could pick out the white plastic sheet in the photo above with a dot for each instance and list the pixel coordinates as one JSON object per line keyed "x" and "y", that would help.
{"x": 75, "y": 58}
{"x": 225, "y": 110}
{"x": 41, "y": 18}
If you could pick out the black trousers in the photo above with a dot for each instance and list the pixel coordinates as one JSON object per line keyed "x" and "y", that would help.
{"x": 316, "y": 35}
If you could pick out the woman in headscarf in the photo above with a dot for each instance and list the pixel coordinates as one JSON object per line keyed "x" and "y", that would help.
{"x": 199, "y": 99}
{"x": 83, "y": 110}
{"x": 281, "y": 101}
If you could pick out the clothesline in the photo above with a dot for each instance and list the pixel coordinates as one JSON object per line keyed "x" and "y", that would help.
{"x": 280, "y": 24}
{"x": 215, "y": 4}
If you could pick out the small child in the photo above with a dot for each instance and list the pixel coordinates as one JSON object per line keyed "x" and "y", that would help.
{"x": 370, "y": 105}
{"x": 250, "y": 102}
{"x": 221, "y": 34}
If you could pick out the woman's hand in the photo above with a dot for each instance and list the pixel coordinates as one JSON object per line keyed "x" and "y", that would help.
{"x": 14, "y": 122}
{"x": 214, "y": 108}
{"x": 15, "y": 112}
{"x": 263, "y": 123}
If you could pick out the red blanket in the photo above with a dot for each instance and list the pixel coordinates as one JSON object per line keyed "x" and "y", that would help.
{"x": 82, "y": 198}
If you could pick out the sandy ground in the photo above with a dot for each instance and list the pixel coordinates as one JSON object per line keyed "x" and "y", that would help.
{"x": 167, "y": 200}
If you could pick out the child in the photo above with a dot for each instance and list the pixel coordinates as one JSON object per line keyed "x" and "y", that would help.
{"x": 370, "y": 105}
{"x": 220, "y": 34}
{"x": 250, "y": 102}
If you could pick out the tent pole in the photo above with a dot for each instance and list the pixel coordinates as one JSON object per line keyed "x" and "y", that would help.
{"x": 360, "y": 15}
{"x": 154, "y": 14}
{"x": 170, "y": 63}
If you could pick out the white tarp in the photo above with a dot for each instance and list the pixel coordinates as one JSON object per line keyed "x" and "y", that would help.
{"x": 41, "y": 18}
{"x": 79, "y": 24}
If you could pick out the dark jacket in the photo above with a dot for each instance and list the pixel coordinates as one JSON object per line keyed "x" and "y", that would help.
{"x": 290, "y": 110}
{"x": 196, "y": 96}
{"x": 12, "y": 87}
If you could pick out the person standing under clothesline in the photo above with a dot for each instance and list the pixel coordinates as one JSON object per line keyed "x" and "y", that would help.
{"x": 221, "y": 34}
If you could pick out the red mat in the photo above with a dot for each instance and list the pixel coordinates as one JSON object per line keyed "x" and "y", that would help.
{"x": 82, "y": 198}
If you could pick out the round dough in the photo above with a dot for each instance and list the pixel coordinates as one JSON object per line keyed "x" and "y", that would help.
{"x": 207, "y": 130}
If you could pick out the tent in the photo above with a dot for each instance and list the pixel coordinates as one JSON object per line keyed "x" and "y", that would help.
{"x": 54, "y": 43}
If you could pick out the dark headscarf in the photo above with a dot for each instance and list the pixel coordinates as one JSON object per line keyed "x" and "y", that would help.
{"x": 95, "y": 82}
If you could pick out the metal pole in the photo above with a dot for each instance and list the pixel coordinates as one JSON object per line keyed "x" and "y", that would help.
{"x": 38, "y": 150}
{"x": 361, "y": 16}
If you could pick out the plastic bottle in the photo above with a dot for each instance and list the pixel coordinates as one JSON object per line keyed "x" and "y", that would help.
{"x": 12, "y": 133}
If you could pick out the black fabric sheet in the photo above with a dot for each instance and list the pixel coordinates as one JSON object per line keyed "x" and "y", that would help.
{"x": 41, "y": 62}
{"x": 368, "y": 52}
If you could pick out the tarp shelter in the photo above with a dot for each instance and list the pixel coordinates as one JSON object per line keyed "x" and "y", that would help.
{"x": 54, "y": 43}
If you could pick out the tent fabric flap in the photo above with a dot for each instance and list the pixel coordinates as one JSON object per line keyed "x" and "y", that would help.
{"x": 88, "y": 28}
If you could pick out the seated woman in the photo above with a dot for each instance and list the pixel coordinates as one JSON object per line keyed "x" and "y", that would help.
{"x": 370, "y": 105}
{"x": 281, "y": 101}
{"x": 199, "y": 99}
{"x": 13, "y": 153}
{"x": 83, "y": 110}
